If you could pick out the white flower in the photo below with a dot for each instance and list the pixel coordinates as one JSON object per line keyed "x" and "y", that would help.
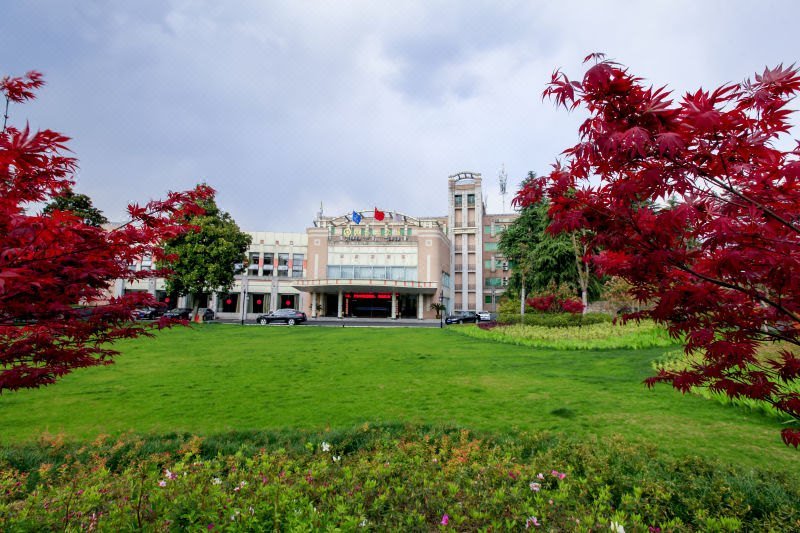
{"x": 337, "y": 458}
{"x": 216, "y": 481}
{"x": 616, "y": 527}
{"x": 326, "y": 447}
{"x": 363, "y": 523}
{"x": 536, "y": 487}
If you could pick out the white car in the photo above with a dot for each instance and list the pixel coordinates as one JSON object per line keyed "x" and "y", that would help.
{"x": 485, "y": 316}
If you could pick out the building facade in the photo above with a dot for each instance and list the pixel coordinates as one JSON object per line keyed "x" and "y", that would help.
{"x": 368, "y": 264}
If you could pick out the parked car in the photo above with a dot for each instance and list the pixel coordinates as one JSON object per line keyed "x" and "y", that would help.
{"x": 185, "y": 313}
{"x": 206, "y": 313}
{"x": 179, "y": 313}
{"x": 147, "y": 313}
{"x": 283, "y": 316}
{"x": 486, "y": 316}
{"x": 462, "y": 317}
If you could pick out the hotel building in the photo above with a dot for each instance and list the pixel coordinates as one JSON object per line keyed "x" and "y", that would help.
{"x": 371, "y": 263}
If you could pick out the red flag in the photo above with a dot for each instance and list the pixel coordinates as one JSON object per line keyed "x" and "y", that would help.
{"x": 379, "y": 214}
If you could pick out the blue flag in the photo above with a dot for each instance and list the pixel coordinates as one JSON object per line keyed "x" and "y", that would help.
{"x": 356, "y": 217}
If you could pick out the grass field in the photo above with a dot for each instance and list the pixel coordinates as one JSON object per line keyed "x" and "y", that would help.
{"x": 216, "y": 378}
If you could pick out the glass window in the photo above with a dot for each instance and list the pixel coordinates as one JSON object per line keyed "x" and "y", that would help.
{"x": 229, "y": 303}
{"x": 268, "y": 260}
{"x": 297, "y": 266}
{"x": 470, "y": 200}
{"x": 487, "y": 299}
{"x": 252, "y": 269}
{"x": 334, "y": 272}
{"x": 283, "y": 264}
{"x": 147, "y": 262}
{"x": 379, "y": 272}
{"x": 458, "y": 200}
{"x": 347, "y": 272}
{"x": 258, "y": 303}
{"x": 490, "y": 246}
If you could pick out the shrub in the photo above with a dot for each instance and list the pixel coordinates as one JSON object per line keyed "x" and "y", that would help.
{"x": 555, "y": 320}
{"x": 388, "y": 478}
{"x": 599, "y": 336}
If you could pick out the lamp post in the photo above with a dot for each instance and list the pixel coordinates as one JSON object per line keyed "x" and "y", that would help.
{"x": 246, "y": 266}
{"x": 441, "y": 308}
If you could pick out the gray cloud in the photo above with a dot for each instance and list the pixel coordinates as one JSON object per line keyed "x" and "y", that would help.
{"x": 282, "y": 105}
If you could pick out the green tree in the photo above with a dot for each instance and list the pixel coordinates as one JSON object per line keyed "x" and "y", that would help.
{"x": 78, "y": 204}
{"x": 541, "y": 260}
{"x": 205, "y": 258}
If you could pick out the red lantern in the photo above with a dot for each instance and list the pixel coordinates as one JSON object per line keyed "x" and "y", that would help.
{"x": 166, "y": 300}
{"x": 288, "y": 303}
{"x": 228, "y": 301}
{"x": 258, "y": 302}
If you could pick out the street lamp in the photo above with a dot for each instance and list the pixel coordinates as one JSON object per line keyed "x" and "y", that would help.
{"x": 246, "y": 266}
{"x": 441, "y": 308}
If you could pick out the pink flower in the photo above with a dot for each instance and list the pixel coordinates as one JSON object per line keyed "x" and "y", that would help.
{"x": 162, "y": 483}
{"x": 445, "y": 519}
{"x": 540, "y": 475}
{"x": 535, "y": 487}
{"x": 531, "y": 521}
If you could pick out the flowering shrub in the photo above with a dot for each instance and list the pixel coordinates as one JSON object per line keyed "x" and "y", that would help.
{"x": 383, "y": 478}
{"x": 552, "y": 304}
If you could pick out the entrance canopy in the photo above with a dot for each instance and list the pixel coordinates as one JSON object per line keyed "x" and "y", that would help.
{"x": 365, "y": 285}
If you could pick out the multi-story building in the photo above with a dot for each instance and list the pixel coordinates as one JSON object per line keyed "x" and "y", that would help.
{"x": 370, "y": 263}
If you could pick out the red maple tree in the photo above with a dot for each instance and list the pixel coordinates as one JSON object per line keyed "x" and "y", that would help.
{"x": 695, "y": 204}
{"x": 56, "y": 270}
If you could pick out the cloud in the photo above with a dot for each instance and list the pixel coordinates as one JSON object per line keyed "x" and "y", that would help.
{"x": 281, "y": 106}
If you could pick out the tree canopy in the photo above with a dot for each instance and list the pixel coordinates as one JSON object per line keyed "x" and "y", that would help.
{"x": 206, "y": 256}
{"x": 720, "y": 264}
{"x": 78, "y": 204}
{"x": 545, "y": 259}
{"x": 56, "y": 270}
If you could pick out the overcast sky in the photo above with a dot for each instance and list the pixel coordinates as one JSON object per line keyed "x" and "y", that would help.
{"x": 282, "y": 105}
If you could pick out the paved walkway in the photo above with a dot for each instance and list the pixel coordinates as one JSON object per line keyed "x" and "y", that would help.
{"x": 358, "y": 322}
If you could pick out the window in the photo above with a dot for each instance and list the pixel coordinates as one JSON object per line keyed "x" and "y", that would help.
{"x": 396, "y": 273}
{"x": 147, "y": 262}
{"x": 490, "y": 246}
{"x": 297, "y": 266}
{"x": 258, "y": 302}
{"x": 487, "y": 299}
{"x": 458, "y": 200}
{"x": 268, "y": 265}
{"x": 252, "y": 269}
{"x": 283, "y": 265}
{"x": 470, "y": 200}
{"x": 229, "y": 303}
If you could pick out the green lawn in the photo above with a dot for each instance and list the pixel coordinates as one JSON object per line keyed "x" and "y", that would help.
{"x": 216, "y": 378}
